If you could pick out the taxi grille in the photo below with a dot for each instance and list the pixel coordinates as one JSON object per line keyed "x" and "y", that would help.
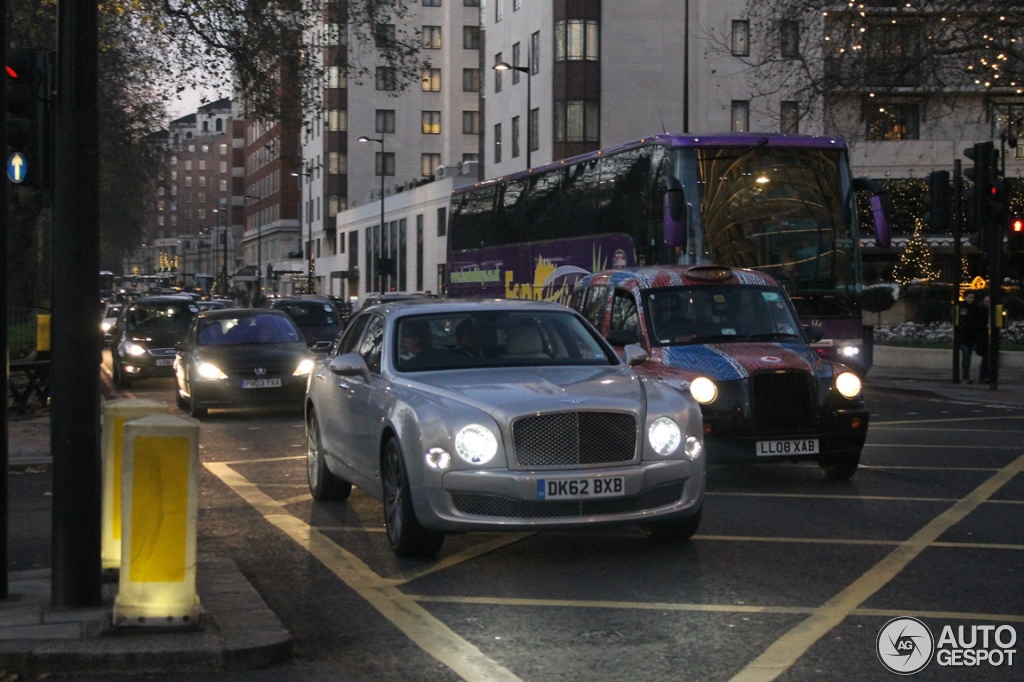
{"x": 574, "y": 438}
{"x": 782, "y": 402}
{"x": 503, "y": 507}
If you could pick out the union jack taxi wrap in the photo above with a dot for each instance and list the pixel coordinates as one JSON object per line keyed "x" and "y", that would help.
{"x": 733, "y": 339}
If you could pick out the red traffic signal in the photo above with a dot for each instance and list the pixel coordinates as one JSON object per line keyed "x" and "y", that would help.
{"x": 1017, "y": 226}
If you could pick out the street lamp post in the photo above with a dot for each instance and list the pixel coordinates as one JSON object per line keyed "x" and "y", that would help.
{"x": 382, "y": 169}
{"x": 221, "y": 242}
{"x": 309, "y": 221}
{"x": 258, "y": 296}
{"x": 505, "y": 66}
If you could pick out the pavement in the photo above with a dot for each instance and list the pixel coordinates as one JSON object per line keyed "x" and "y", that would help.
{"x": 237, "y": 631}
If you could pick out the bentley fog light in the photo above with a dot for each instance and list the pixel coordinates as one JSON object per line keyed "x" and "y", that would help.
{"x": 694, "y": 448}
{"x": 703, "y": 390}
{"x": 208, "y": 371}
{"x": 848, "y": 385}
{"x": 476, "y": 444}
{"x": 134, "y": 349}
{"x": 305, "y": 367}
{"x": 438, "y": 459}
{"x": 664, "y": 435}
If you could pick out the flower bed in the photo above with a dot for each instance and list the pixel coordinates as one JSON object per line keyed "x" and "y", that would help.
{"x": 940, "y": 335}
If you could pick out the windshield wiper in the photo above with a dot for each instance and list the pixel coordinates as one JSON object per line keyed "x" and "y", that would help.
{"x": 770, "y": 336}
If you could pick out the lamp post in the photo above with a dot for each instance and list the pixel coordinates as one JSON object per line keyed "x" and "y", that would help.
{"x": 309, "y": 221}
{"x": 258, "y": 296}
{"x": 382, "y": 169}
{"x": 505, "y": 66}
{"x": 221, "y": 237}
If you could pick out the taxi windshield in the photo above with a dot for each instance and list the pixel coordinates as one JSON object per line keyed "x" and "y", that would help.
{"x": 719, "y": 314}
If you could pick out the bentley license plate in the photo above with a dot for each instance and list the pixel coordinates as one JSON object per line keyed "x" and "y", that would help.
{"x": 261, "y": 383}
{"x": 774, "y": 448}
{"x": 580, "y": 488}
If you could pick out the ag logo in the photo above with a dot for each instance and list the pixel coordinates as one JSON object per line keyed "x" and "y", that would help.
{"x": 905, "y": 645}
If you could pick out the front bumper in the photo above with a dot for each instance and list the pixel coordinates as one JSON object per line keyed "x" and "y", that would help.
{"x": 505, "y": 500}
{"x": 229, "y": 393}
{"x": 840, "y": 431}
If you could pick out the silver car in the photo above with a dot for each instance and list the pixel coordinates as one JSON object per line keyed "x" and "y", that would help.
{"x": 499, "y": 415}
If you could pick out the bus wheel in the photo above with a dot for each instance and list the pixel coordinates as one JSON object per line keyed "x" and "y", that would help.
{"x": 842, "y": 466}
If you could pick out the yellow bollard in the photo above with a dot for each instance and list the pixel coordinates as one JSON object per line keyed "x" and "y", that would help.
{"x": 116, "y": 414}
{"x": 42, "y": 333}
{"x": 157, "y": 585}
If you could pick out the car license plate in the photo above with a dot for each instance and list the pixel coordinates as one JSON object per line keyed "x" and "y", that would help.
{"x": 261, "y": 383}
{"x": 773, "y": 448}
{"x": 580, "y": 488}
{"x": 164, "y": 362}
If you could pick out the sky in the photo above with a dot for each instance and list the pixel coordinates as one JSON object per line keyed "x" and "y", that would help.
{"x": 187, "y": 102}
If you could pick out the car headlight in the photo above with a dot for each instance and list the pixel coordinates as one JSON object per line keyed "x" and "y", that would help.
{"x": 849, "y": 352}
{"x": 134, "y": 349}
{"x": 438, "y": 459}
{"x": 694, "y": 448}
{"x": 703, "y": 390}
{"x": 664, "y": 435}
{"x": 210, "y": 371}
{"x": 476, "y": 444}
{"x": 848, "y": 384}
{"x": 105, "y": 326}
{"x": 305, "y": 367}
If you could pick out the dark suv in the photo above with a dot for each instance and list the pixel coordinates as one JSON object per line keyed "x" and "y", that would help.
{"x": 142, "y": 343}
{"x": 315, "y": 316}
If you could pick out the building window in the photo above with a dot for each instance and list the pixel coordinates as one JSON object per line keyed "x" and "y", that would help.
{"x": 515, "y": 62}
{"x": 497, "y": 74}
{"x": 517, "y": 5}
{"x": 789, "y": 39}
{"x": 188, "y": 181}
{"x": 442, "y": 221}
{"x": 893, "y": 121}
{"x": 471, "y": 80}
{"x": 335, "y": 79}
{"x": 385, "y": 122}
{"x": 202, "y": 164}
{"x": 470, "y": 3}
{"x": 337, "y": 163}
{"x": 385, "y": 78}
{"x": 431, "y": 122}
{"x": 531, "y": 130}
{"x": 336, "y": 120}
{"x": 223, "y": 166}
{"x": 431, "y": 80}
{"x": 471, "y": 122}
{"x": 741, "y": 38}
{"x": 431, "y": 3}
{"x": 790, "y": 118}
{"x": 740, "y": 116}
{"x": 471, "y": 37}
{"x": 535, "y": 53}
{"x": 385, "y": 160}
{"x": 475, "y": 158}
{"x": 515, "y": 137}
{"x": 223, "y": 149}
{"x": 431, "y": 37}
{"x": 429, "y": 163}
{"x": 499, "y": 11}
{"x": 577, "y": 40}
{"x": 577, "y": 121}
{"x": 384, "y": 34}
{"x": 497, "y": 143}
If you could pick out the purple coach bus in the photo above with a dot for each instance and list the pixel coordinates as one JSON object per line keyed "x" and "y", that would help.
{"x": 783, "y": 204}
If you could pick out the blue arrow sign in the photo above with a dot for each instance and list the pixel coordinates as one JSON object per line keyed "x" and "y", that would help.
{"x": 16, "y": 167}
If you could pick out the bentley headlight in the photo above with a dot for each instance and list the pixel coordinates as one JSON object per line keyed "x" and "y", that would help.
{"x": 664, "y": 436}
{"x": 848, "y": 385}
{"x": 305, "y": 367}
{"x": 703, "y": 390}
{"x": 438, "y": 459}
{"x": 476, "y": 444}
{"x": 209, "y": 371}
{"x": 694, "y": 448}
{"x": 134, "y": 349}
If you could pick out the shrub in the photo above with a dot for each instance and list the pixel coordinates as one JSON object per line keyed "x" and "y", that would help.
{"x": 878, "y": 299}
{"x": 1014, "y": 307}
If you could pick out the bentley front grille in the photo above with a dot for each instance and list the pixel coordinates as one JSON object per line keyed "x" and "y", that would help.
{"x": 569, "y": 439}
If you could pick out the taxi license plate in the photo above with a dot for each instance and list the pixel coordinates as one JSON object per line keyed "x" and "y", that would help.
{"x": 773, "y": 448}
{"x": 261, "y": 383}
{"x": 580, "y": 488}
{"x": 164, "y": 362}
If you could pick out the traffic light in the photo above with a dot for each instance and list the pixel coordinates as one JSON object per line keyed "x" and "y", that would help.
{"x": 983, "y": 198}
{"x": 28, "y": 121}
{"x": 1015, "y": 234}
{"x": 938, "y": 201}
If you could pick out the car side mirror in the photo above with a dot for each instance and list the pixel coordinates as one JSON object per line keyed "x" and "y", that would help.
{"x": 813, "y": 333}
{"x": 350, "y": 365}
{"x": 635, "y": 354}
{"x": 622, "y": 337}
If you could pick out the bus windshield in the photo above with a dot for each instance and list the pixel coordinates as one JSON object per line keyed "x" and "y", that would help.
{"x": 785, "y": 211}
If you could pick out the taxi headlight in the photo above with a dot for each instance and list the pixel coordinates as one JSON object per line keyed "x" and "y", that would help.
{"x": 209, "y": 371}
{"x": 134, "y": 349}
{"x": 664, "y": 436}
{"x": 703, "y": 390}
{"x": 848, "y": 384}
{"x": 105, "y": 326}
{"x": 305, "y": 367}
{"x": 476, "y": 444}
